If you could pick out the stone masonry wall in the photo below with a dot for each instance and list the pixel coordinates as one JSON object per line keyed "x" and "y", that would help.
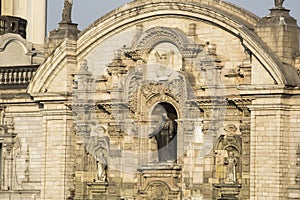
{"x": 269, "y": 149}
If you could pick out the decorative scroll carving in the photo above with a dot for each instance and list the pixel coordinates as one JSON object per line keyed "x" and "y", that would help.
{"x": 174, "y": 88}
{"x": 153, "y": 89}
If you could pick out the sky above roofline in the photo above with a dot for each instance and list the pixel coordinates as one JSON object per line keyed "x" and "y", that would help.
{"x": 87, "y": 11}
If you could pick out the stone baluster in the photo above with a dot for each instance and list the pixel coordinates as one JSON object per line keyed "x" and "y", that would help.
{"x": 22, "y": 76}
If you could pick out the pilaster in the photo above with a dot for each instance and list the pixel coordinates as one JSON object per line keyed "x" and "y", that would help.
{"x": 59, "y": 157}
{"x": 269, "y": 143}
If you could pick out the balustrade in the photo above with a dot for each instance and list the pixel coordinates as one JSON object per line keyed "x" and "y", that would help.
{"x": 16, "y": 77}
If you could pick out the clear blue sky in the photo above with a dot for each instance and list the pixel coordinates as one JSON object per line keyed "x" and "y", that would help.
{"x": 87, "y": 11}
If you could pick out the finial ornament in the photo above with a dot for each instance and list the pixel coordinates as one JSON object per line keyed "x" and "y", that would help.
{"x": 279, "y": 3}
{"x": 67, "y": 11}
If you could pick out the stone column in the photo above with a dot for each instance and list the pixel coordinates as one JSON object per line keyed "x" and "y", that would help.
{"x": 37, "y": 21}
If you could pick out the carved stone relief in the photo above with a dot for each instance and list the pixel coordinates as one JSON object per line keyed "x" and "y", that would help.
{"x": 228, "y": 156}
{"x": 158, "y": 191}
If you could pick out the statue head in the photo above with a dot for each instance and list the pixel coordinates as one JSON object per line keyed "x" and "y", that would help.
{"x": 165, "y": 116}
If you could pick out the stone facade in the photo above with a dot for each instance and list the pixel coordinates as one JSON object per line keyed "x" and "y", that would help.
{"x": 77, "y": 126}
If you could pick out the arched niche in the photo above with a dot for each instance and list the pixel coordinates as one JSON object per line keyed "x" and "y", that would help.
{"x": 228, "y": 147}
{"x": 157, "y": 35}
{"x": 164, "y": 62}
{"x": 164, "y": 120}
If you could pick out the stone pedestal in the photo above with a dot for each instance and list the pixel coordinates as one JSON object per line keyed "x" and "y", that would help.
{"x": 228, "y": 191}
{"x": 160, "y": 181}
{"x": 65, "y": 30}
{"x": 97, "y": 190}
{"x": 281, "y": 33}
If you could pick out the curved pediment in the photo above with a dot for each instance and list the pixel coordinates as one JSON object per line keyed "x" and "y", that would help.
{"x": 231, "y": 19}
{"x": 166, "y": 21}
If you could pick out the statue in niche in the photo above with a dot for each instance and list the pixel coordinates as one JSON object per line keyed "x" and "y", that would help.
{"x": 164, "y": 135}
{"x": 101, "y": 167}
{"x": 231, "y": 163}
{"x": 67, "y": 11}
{"x": 279, "y": 3}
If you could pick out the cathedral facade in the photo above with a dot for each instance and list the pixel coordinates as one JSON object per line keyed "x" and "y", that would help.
{"x": 156, "y": 100}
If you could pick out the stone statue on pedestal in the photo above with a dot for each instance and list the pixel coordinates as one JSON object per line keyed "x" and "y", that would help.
{"x": 164, "y": 134}
{"x": 279, "y": 3}
{"x": 67, "y": 11}
{"x": 101, "y": 167}
{"x": 231, "y": 163}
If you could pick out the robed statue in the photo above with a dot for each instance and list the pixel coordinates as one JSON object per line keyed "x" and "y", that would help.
{"x": 165, "y": 135}
{"x": 279, "y": 3}
{"x": 231, "y": 163}
{"x": 67, "y": 11}
{"x": 101, "y": 167}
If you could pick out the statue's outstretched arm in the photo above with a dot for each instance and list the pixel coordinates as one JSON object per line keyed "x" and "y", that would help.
{"x": 156, "y": 131}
